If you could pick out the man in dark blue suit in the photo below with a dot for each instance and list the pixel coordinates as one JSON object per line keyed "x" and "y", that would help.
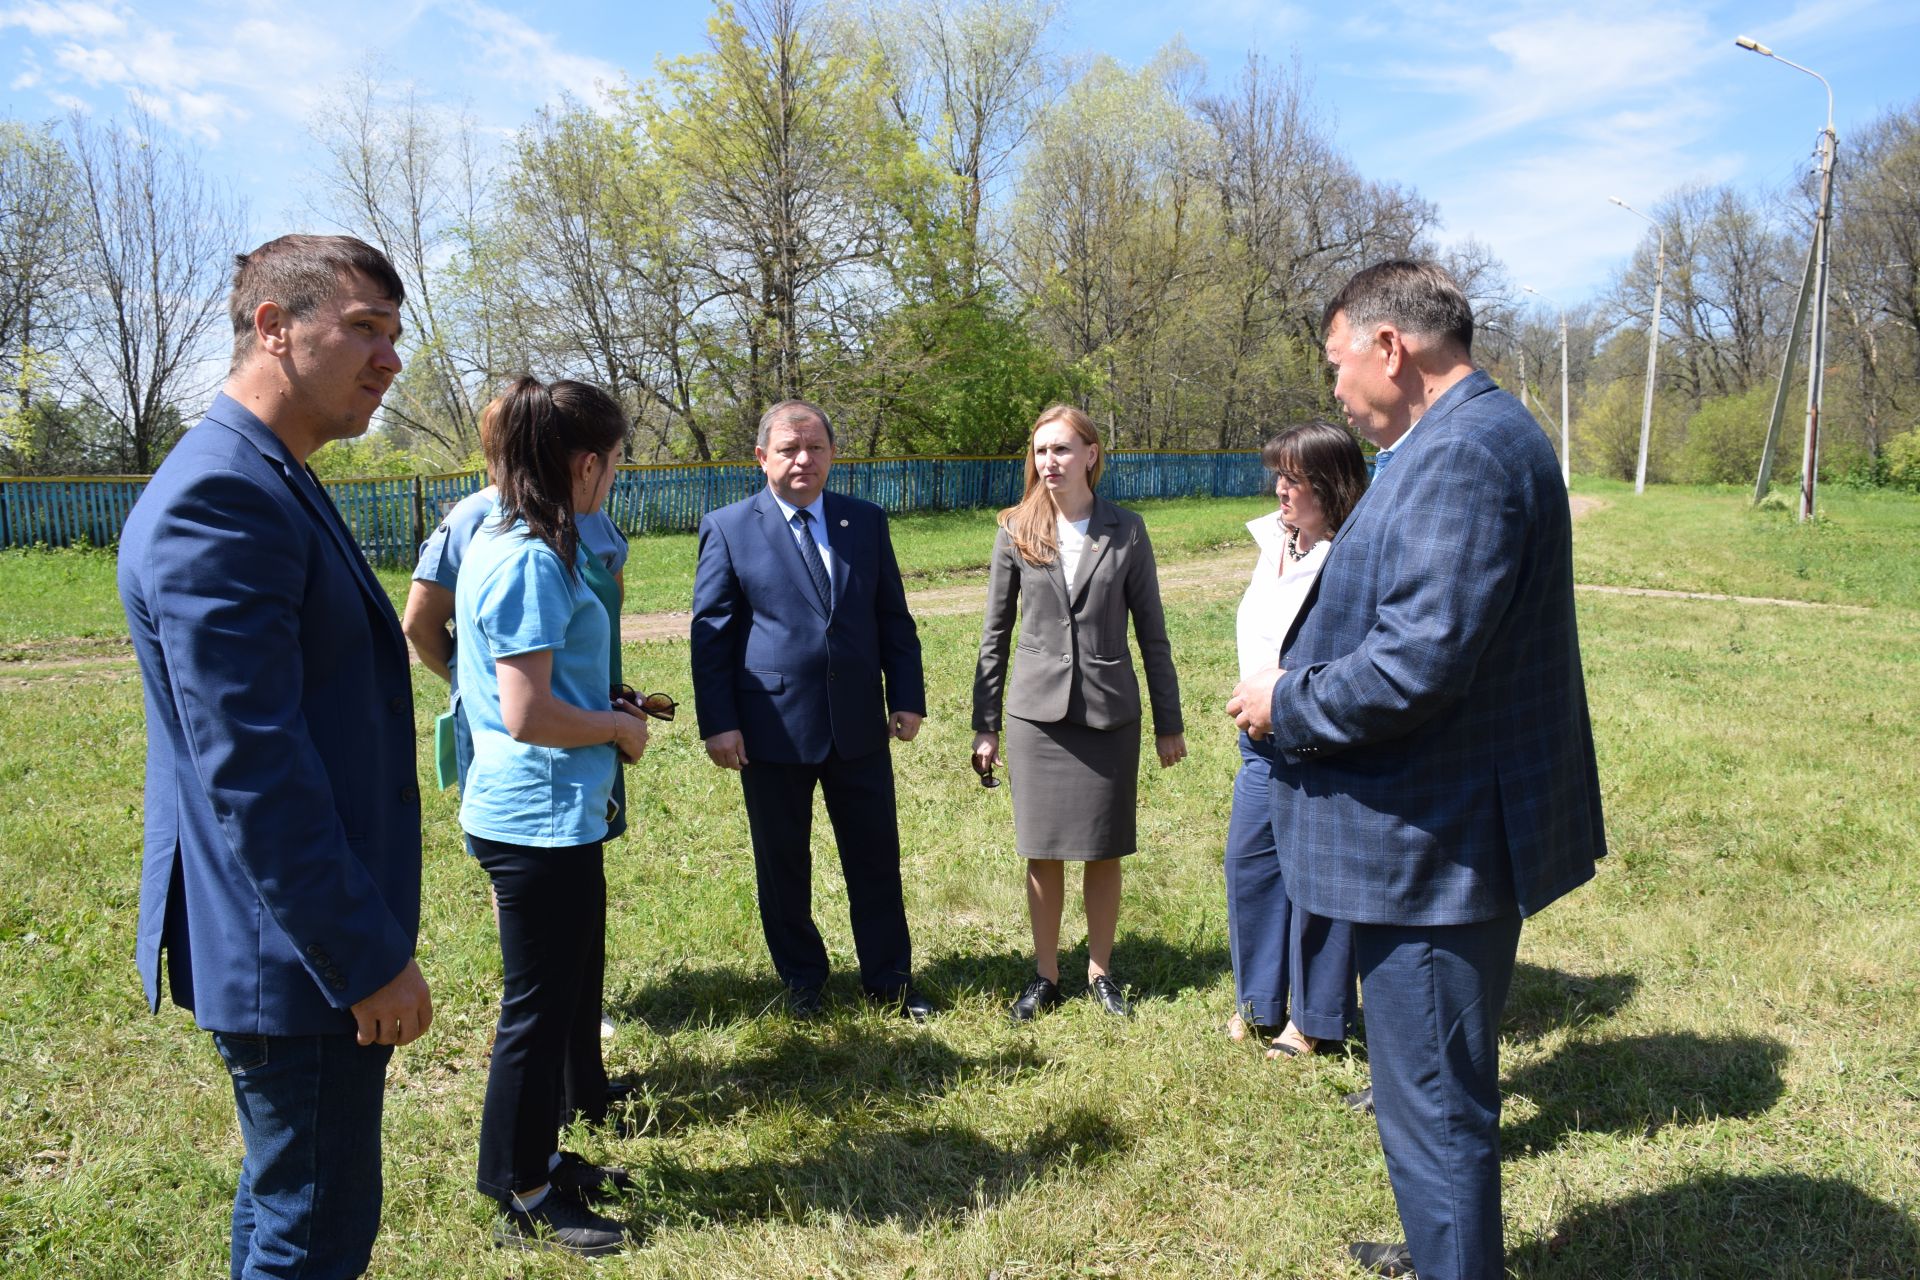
{"x": 282, "y": 856}
{"x": 799, "y": 620}
{"x": 1435, "y": 780}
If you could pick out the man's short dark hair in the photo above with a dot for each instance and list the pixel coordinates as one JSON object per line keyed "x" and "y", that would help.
{"x": 300, "y": 273}
{"x": 793, "y": 411}
{"x": 1413, "y": 297}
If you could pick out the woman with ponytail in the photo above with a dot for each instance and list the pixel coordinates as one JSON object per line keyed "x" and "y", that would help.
{"x": 548, "y": 741}
{"x": 1074, "y": 568}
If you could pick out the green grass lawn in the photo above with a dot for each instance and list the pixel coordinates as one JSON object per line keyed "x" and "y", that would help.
{"x": 1709, "y": 1060}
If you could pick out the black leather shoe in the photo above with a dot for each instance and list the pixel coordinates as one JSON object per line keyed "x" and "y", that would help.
{"x": 906, "y": 1001}
{"x": 590, "y": 1181}
{"x": 1107, "y": 994}
{"x": 804, "y": 1004}
{"x": 1383, "y": 1259}
{"x": 1360, "y": 1100}
{"x": 1040, "y": 995}
{"x": 621, "y": 1091}
{"x": 561, "y": 1224}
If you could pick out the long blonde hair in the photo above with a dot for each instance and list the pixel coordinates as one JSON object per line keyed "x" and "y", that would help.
{"x": 1030, "y": 522}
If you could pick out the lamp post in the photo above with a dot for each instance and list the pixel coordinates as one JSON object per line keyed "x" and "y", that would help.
{"x": 1813, "y": 296}
{"x": 1653, "y": 346}
{"x": 1566, "y": 444}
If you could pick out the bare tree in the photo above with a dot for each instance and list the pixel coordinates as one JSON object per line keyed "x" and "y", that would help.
{"x": 158, "y": 240}
{"x": 405, "y": 176}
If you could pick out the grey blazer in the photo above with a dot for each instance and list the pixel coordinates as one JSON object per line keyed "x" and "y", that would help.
{"x": 1072, "y": 661}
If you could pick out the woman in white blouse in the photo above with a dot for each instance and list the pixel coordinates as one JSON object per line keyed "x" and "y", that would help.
{"x": 1293, "y": 972}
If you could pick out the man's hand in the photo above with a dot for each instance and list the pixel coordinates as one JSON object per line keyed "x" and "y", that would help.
{"x": 903, "y": 725}
{"x": 630, "y": 731}
{"x": 728, "y": 750}
{"x": 1251, "y": 705}
{"x": 1172, "y": 748}
{"x": 398, "y": 1013}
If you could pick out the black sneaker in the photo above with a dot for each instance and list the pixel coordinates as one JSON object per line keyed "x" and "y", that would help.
{"x": 561, "y": 1224}
{"x": 575, "y": 1174}
{"x": 1041, "y": 994}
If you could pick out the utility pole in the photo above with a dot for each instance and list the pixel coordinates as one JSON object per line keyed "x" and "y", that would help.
{"x": 1653, "y": 347}
{"x": 1810, "y": 312}
{"x": 1566, "y": 442}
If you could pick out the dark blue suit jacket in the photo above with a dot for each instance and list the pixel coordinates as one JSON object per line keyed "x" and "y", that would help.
{"x": 769, "y": 662}
{"x": 282, "y": 858}
{"x": 1436, "y": 761}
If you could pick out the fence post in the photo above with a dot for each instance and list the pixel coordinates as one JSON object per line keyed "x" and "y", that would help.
{"x": 419, "y": 512}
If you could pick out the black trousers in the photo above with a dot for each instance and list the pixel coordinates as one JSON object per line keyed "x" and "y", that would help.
{"x": 546, "y": 1050}
{"x": 859, "y": 796}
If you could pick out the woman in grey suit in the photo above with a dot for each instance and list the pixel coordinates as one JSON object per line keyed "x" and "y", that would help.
{"x": 1074, "y": 567}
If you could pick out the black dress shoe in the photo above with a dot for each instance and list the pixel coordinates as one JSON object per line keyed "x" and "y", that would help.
{"x": 1107, "y": 994}
{"x": 804, "y": 1004}
{"x": 619, "y": 1091}
{"x": 590, "y": 1181}
{"x": 1383, "y": 1259}
{"x": 906, "y": 1001}
{"x": 1360, "y": 1100}
{"x": 1040, "y": 995}
{"x": 561, "y": 1224}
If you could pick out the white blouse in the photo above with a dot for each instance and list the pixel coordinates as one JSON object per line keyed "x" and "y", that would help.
{"x": 1073, "y": 543}
{"x": 1268, "y": 608}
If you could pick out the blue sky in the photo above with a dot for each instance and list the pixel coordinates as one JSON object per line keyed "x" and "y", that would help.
{"x": 1518, "y": 119}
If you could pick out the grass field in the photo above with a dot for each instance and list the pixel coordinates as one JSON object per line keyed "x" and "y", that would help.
{"x": 1709, "y": 1060}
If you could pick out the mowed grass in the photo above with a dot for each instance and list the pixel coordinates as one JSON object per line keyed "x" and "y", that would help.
{"x": 1709, "y": 1061}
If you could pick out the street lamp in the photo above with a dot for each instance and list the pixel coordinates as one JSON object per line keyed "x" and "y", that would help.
{"x": 1566, "y": 446}
{"x": 1813, "y": 289}
{"x": 1653, "y": 346}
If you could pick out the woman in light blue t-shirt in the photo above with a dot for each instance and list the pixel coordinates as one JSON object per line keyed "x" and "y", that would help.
{"x": 548, "y": 739}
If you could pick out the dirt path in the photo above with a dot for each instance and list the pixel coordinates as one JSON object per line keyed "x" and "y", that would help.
{"x": 1218, "y": 573}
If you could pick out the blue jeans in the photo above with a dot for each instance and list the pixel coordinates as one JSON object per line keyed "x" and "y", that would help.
{"x": 308, "y": 1203}
{"x": 1286, "y": 962}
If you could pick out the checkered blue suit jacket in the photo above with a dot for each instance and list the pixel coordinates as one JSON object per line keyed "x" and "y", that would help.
{"x": 1436, "y": 760}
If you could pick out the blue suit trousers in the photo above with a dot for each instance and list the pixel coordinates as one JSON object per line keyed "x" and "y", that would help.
{"x": 1434, "y": 996}
{"x": 1286, "y": 962}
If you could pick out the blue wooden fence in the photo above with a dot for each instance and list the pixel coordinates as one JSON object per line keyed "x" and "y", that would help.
{"x": 389, "y": 517}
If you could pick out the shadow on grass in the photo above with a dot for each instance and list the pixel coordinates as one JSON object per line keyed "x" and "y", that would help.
{"x": 1152, "y": 968}
{"x": 704, "y": 995}
{"x": 912, "y": 1175}
{"x": 1777, "y": 1225}
{"x": 1642, "y": 1083}
{"x": 1542, "y": 1000}
{"x": 835, "y": 1069}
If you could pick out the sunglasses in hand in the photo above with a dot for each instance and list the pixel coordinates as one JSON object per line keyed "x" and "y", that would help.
{"x": 657, "y": 705}
{"x": 985, "y": 770}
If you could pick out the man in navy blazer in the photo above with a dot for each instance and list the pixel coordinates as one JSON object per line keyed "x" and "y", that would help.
{"x": 806, "y": 664}
{"x": 1435, "y": 780}
{"x": 282, "y": 855}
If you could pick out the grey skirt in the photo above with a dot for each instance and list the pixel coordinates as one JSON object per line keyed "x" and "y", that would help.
{"x": 1073, "y": 789}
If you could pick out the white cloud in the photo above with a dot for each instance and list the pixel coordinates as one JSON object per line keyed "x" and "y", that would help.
{"x": 517, "y": 54}
{"x": 48, "y": 20}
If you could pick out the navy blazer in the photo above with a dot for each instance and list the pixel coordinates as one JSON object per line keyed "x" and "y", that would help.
{"x": 282, "y": 855}
{"x": 769, "y": 661}
{"x": 1436, "y": 761}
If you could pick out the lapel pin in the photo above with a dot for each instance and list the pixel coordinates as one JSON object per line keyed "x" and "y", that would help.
{"x": 843, "y": 524}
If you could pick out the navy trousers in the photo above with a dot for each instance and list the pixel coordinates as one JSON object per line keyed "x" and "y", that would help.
{"x": 1286, "y": 962}
{"x": 860, "y": 804}
{"x": 1434, "y": 996}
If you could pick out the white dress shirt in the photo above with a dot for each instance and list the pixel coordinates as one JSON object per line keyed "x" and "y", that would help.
{"x": 1268, "y": 608}
{"x": 818, "y": 510}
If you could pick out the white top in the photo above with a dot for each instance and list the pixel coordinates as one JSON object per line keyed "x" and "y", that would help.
{"x": 1268, "y": 608}
{"x": 818, "y": 510}
{"x": 1073, "y": 543}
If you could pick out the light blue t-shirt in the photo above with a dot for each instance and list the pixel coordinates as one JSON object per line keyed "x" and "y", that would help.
{"x": 513, "y": 597}
{"x": 446, "y": 547}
